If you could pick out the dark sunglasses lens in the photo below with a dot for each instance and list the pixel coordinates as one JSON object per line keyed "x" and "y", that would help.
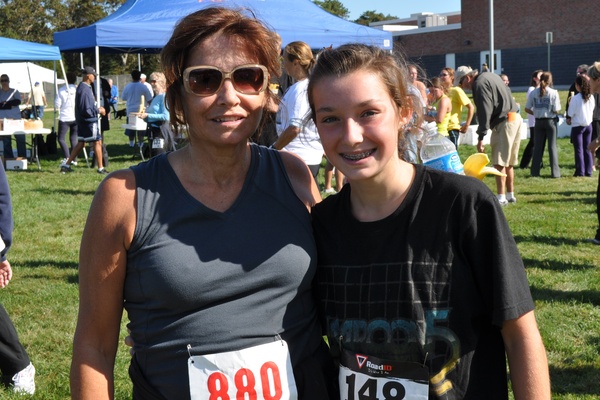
{"x": 248, "y": 79}
{"x": 4, "y": 80}
{"x": 205, "y": 81}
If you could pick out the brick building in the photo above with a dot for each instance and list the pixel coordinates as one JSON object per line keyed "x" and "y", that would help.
{"x": 520, "y": 31}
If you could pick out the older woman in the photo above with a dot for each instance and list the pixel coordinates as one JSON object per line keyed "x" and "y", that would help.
{"x": 156, "y": 114}
{"x": 209, "y": 248}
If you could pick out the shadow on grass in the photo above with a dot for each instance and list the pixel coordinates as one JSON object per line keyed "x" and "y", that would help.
{"x": 548, "y": 240}
{"x": 50, "y": 264}
{"x": 575, "y": 381}
{"x": 579, "y": 296}
{"x": 49, "y": 191}
{"x": 566, "y": 200}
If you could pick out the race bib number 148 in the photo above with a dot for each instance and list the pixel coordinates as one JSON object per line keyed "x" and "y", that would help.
{"x": 364, "y": 377}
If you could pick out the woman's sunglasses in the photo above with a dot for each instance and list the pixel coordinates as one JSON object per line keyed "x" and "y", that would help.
{"x": 205, "y": 80}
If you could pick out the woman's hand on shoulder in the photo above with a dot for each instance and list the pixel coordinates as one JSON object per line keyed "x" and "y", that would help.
{"x": 302, "y": 180}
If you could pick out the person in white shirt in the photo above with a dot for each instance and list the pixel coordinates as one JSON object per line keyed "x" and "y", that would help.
{"x": 65, "y": 104}
{"x": 581, "y": 111}
{"x": 297, "y": 133}
{"x": 132, "y": 95}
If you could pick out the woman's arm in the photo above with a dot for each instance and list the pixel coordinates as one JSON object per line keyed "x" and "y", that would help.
{"x": 470, "y": 113}
{"x": 286, "y": 137}
{"x": 102, "y": 264}
{"x": 526, "y": 358}
{"x": 158, "y": 110}
{"x": 445, "y": 108}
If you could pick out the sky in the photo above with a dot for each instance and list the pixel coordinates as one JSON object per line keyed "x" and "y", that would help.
{"x": 399, "y": 8}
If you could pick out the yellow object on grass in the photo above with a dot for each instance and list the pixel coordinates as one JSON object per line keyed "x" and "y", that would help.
{"x": 475, "y": 166}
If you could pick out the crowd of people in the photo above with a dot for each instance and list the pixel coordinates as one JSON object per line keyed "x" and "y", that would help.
{"x": 231, "y": 266}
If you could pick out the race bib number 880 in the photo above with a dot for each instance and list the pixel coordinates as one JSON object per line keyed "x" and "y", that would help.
{"x": 261, "y": 372}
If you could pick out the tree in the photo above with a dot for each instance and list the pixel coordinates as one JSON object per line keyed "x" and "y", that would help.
{"x": 373, "y": 16}
{"x": 334, "y": 7}
{"x": 37, "y": 21}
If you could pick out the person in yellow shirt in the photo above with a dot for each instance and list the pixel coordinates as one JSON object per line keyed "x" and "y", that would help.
{"x": 439, "y": 109}
{"x": 459, "y": 100}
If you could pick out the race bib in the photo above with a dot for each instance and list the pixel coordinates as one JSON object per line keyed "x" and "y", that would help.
{"x": 261, "y": 372}
{"x": 158, "y": 143}
{"x": 365, "y": 377}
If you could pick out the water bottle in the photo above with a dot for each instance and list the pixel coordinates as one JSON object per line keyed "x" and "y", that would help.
{"x": 437, "y": 151}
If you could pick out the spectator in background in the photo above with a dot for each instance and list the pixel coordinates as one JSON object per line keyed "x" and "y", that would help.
{"x": 87, "y": 113}
{"x": 581, "y": 110}
{"x": 64, "y": 103}
{"x": 147, "y": 84}
{"x": 581, "y": 71}
{"x": 414, "y": 80}
{"x": 10, "y": 99}
{"x": 104, "y": 102}
{"x": 156, "y": 115}
{"x": 37, "y": 98}
{"x": 596, "y": 128}
{"x": 296, "y": 134}
{"x": 17, "y": 370}
{"x": 330, "y": 171}
{"x": 497, "y": 115}
{"x": 440, "y": 108}
{"x": 594, "y": 75}
{"x": 459, "y": 100}
{"x": 544, "y": 104}
{"x": 528, "y": 152}
{"x": 133, "y": 93}
{"x": 114, "y": 96}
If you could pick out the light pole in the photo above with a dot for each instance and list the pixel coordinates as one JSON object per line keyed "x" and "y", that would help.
{"x": 492, "y": 66}
{"x": 548, "y": 41}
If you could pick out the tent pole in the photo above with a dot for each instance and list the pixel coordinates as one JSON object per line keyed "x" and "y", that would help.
{"x": 33, "y": 110}
{"x": 98, "y": 77}
{"x": 62, "y": 67}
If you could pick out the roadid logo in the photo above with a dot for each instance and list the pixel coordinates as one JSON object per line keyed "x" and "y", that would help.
{"x": 363, "y": 360}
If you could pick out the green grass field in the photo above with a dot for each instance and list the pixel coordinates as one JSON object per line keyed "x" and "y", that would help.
{"x": 550, "y": 222}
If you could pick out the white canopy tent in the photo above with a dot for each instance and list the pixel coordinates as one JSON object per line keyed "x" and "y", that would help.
{"x": 23, "y": 75}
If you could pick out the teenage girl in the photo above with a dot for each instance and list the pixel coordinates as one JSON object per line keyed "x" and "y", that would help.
{"x": 421, "y": 285}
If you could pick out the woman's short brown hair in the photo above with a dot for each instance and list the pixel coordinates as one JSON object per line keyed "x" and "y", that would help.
{"x": 260, "y": 42}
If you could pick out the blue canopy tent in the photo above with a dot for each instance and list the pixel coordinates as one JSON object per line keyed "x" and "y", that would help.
{"x": 140, "y": 26}
{"x": 20, "y": 50}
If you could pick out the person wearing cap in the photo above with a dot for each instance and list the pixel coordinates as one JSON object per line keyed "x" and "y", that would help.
{"x": 87, "y": 115}
{"x": 10, "y": 99}
{"x": 132, "y": 95}
{"x": 38, "y": 101}
{"x": 497, "y": 115}
{"x": 143, "y": 79}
